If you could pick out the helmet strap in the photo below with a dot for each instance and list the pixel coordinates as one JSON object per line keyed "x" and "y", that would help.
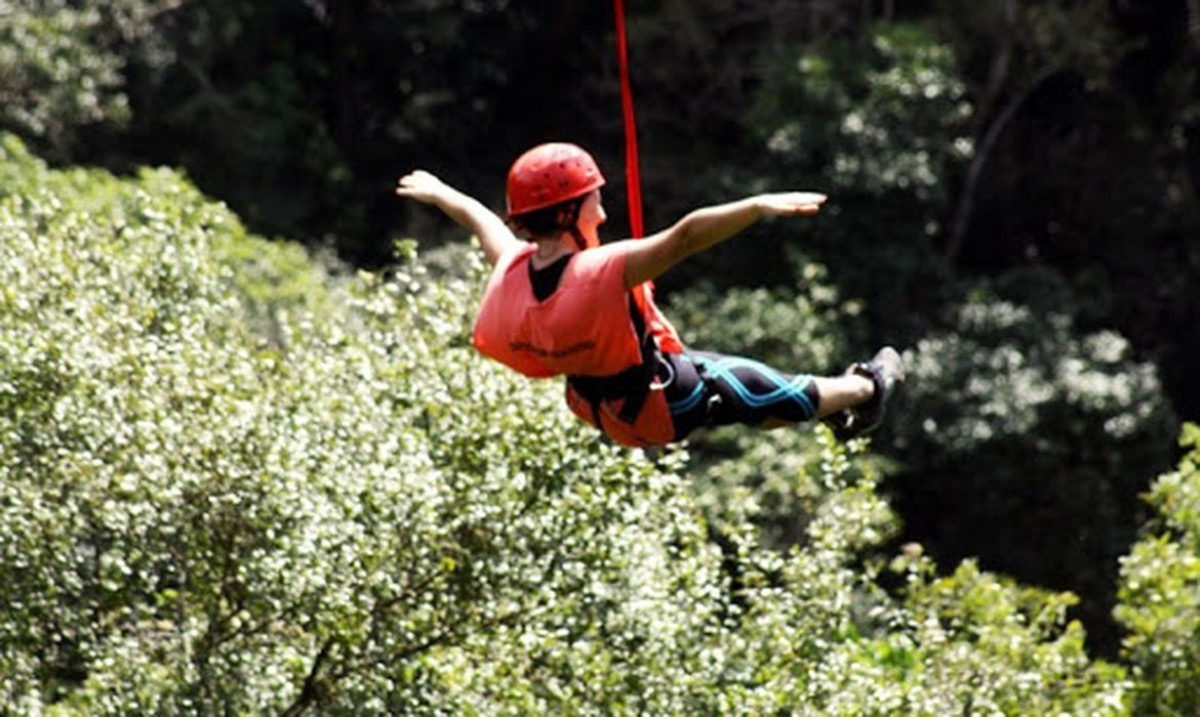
{"x": 570, "y": 219}
{"x": 579, "y": 240}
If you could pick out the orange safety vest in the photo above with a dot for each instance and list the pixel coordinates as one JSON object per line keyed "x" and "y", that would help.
{"x": 592, "y": 329}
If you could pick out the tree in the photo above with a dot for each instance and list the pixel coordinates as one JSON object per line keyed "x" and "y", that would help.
{"x": 1023, "y": 47}
{"x": 64, "y": 66}
{"x": 1085, "y": 162}
{"x": 1160, "y": 592}
{"x": 881, "y": 123}
{"x": 234, "y": 480}
{"x": 1027, "y": 441}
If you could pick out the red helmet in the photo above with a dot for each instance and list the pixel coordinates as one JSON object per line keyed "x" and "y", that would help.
{"x": 549, "y": 174}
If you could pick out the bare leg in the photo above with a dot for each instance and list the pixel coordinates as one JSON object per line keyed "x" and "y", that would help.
{"x": 842, "y": 392}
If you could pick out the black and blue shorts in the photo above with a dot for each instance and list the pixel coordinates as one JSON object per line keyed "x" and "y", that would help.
{"x": 703, "y": 388}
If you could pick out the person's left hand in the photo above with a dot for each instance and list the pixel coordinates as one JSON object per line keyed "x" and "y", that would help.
{"x": 803, "y": 204}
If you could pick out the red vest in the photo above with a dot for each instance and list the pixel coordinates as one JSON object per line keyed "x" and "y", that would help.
{"x": 584, "y": 328}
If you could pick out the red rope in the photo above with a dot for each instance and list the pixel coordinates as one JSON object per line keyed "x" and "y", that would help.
{"x": 633, "y": 179}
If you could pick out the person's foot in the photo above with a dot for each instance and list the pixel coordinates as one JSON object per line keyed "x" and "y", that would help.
{"x": 886, "y": 371}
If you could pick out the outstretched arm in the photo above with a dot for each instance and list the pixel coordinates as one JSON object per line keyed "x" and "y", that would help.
{"x": 648, "y": 258}
{"x": 493, "y": 233}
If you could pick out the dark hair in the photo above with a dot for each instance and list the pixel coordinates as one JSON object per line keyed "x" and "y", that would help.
{"x": 549, "y": 220}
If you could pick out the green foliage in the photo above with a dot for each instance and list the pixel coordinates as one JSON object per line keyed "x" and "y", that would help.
{"x": 354, "y": 513}
{"x": 231, "y": 95}
{"x": 1160, "y": 592}
{"x": 155, "y": 342}
{"x": 881, "y": 123}
{"x": 885, "y": 117}
{"x": 54, "y": 78}
{"x": 1025, "y": 657}
{"x": 740, "y": 473}
{"x": 789, "y": 328}
{"x": 1028, "y": 41}
{"x": 63, "y": 65}
{"x": 1033, "y": 438}
{"x": 196, "y": 518}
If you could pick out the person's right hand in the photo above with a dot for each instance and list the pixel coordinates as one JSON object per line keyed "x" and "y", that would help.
{"x": 421, "y": 186}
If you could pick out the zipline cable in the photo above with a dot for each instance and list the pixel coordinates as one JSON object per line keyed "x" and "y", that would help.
{"x": 633, "y": 179}
{"x": 643, "y": 294}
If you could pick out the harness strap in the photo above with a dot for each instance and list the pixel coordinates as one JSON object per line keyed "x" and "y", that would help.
{"x": 713, "y": 404}
{"x": 632, "y": 384}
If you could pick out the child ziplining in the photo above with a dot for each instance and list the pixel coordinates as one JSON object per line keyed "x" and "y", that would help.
{"x": 560, "y": 303}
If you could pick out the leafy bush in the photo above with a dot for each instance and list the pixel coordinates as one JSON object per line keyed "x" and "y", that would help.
{"x": 353, "y": 513}
{"x": 1160, "y": 593}
{"x": 991, "y": 646}
{"x": 789, "y": 329}
{"x": 1033, "y": 439}
{"x": 64, "y": 65}
{"x": 196, "y": 517}
{"x": 739, "y": 474}
{"x": 880, "y": 122}
{"x": 59, "y": 81}
{"x": 895, "y": 113}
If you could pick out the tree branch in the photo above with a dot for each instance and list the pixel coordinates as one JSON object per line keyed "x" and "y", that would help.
{"x": 966, "y": 202}
{"x": 311, "y": 691}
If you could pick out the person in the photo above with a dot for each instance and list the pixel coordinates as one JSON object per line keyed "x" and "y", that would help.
{"x": 559, "y": 303}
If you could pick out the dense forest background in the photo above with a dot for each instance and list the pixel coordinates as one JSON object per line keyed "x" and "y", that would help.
{"x": 1014, "y": 202}
{"x": 959, "y": 143}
